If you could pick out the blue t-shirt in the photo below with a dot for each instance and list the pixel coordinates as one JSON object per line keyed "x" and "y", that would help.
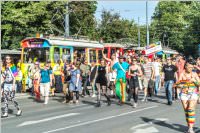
{"x": 45, "y": 75}
{"x": 120, "y": 72}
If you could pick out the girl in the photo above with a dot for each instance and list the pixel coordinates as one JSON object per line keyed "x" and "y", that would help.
{"x": 101, "y": 82}
{"x": 134, "y": 72}
{"x": 9, "y": 88}
{"x": 189, "y": 94}
{"x": 75, "y": 85}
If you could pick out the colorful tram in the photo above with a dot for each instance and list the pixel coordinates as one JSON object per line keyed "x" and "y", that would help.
{"x": 110, "y": 48}
{"x": 53, "y": 49}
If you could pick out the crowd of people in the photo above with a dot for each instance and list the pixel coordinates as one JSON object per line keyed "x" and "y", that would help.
{"x": 119, "y": 77}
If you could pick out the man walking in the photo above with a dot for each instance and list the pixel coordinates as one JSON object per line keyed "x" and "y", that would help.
{"x": 169, "y": 72}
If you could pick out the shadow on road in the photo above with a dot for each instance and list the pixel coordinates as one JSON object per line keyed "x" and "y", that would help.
{"x": 176, "y": 127}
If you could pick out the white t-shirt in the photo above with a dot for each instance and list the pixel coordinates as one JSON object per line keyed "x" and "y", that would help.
{"x": 157, "y": 66}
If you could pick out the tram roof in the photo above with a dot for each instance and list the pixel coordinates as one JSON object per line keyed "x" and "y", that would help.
{"x": 10, "y": 52}
{"x": 70, "y": 42}
{"x": 75, "y": 43}
{"x": 116, "y": 45}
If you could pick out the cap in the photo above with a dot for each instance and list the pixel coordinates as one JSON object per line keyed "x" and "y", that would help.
{"x": 36, "y": 63}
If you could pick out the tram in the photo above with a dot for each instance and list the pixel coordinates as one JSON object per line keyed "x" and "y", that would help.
{"x": 56, "y": 48}
{"x": 110, "y": 48}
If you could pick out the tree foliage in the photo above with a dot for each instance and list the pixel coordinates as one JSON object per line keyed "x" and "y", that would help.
{"x": 176, "y": 24}
{"x": 22, "y": 19}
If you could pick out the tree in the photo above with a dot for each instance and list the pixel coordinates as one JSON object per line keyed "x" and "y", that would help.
{"x": 25, "y": 19}
{"x": 112, "y": 28}
{"x": 174, "y": 23}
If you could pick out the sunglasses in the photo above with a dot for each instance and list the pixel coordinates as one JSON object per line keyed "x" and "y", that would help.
{"x": 7, "y": 58}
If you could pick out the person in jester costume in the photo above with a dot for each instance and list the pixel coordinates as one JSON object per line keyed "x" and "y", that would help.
{"x": 121, "y": 67}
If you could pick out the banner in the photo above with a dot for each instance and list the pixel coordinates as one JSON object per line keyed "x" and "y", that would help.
{"x": 154, "y": 49}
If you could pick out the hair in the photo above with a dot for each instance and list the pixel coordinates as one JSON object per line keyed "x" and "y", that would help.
{"x": 190, "y": 62}
{"x": 4, "y": 61}
{"x": 104, "y": 61}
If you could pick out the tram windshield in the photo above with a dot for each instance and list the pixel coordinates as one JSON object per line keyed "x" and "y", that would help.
{"x": 36, "y": 54}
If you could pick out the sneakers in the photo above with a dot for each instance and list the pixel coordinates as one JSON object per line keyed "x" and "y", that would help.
{"x": 109, "y": 102}
{"x": 76, "y": 102}
{"x": 134, "y": 105}
{"x": 19, "y": 113}
{"x": 93, "y": 95}
{"x": 169, "y": 103}
{"x": 98, "y": 104}
{"x": 190, "y": 130}
{"x": 4, "y": 115}
{"x": 144, "y": 99}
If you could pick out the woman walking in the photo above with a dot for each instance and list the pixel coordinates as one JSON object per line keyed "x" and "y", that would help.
{"x": 189, "y": 84}
{"x": 75, "y": 85}
{"x": 45, "y": 82}
{"x": 134, "y": 72}
{"x": 9, "y": 85}
{"x": 101, "y": 83}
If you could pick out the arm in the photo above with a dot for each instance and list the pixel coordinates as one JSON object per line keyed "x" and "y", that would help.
{"x": 153, "y": 72}
{"x": 78, "y": 77}
{"x": 140, "y": 71}
{"x": 107, "y": 59}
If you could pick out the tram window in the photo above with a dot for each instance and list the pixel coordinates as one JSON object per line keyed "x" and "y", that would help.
{"x": 36, "y": 54}
{"x": 66, "y": 55}
{"x": 56, "y": 54}
{"x": 105, "y": 51}
{"x": 79, "y": 55}
{"x": 113, "y": 51}
{"x": 92, "y": 55}
{"x": 100, "y": 55}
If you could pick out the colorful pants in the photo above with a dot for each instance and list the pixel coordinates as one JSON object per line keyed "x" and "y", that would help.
{"x": 9, "y": 96}
{"x": 121, "y": 89}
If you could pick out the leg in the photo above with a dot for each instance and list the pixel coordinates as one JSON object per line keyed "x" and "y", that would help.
{"x": 145, "y": 85}
{"x": 84, "y": 86}
{"x": 157, "y": 81}
{"x": 170, "y": 86}
{"x": 12, "y": 96}
{"x": 122, "y": 90}
{"x": 105, "y": 94}
{"x": 136, "y": 94}
{"x": 93, "y": 88}
{"x": 6, "y": 94}
{"x": 46, "y": 92}
{"x": 98, "y": 94}
{"x": 191, "y": 113}
{"x": 166, "y": 84}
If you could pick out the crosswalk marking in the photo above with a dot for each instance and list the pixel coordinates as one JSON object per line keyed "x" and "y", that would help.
{"x": 46, "y": 119}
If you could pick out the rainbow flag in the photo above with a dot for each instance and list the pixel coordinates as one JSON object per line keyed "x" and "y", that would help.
{"x": 13, "y": 69}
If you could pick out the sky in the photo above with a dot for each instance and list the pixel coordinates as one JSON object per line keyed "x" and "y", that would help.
{"x": 128, "y": 9}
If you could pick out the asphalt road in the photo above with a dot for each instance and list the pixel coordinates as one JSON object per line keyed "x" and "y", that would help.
{"x": 150, "y": 117}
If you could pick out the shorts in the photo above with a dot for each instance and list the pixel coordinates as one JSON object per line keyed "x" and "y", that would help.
{"x": 145, "y": 83}
{"x": 44, "y": 89}
{"x": 187, "y": 97}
